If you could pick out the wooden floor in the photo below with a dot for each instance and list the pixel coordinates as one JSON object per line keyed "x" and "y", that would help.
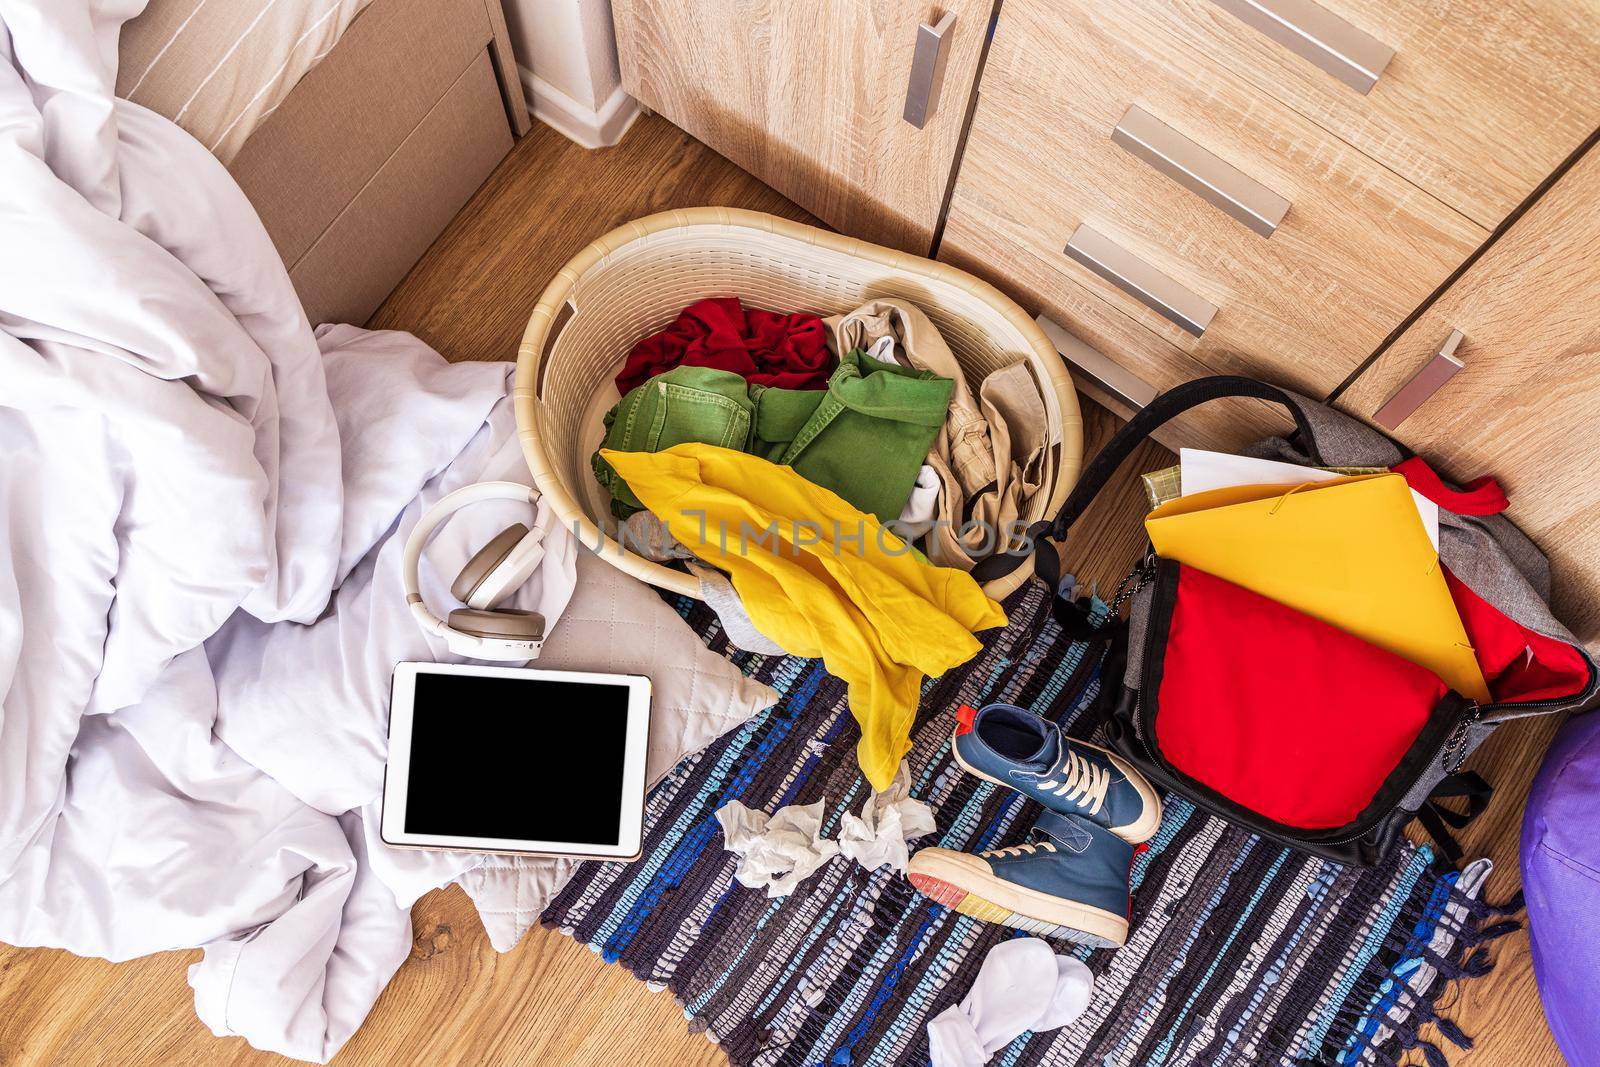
{"x": 550, "y": 1002}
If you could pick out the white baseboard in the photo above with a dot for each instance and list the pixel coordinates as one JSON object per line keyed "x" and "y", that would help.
{"x": 592, "y": 128}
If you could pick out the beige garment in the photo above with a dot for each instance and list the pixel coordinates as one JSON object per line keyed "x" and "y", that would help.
{"x": 991, "y": 456}
{"x": 219, "y": 67}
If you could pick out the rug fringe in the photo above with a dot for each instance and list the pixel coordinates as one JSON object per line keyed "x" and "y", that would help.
{"x": 1466, "y": 959}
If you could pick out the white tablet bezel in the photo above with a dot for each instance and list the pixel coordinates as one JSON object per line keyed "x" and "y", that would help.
{"x": 397, "y": 775}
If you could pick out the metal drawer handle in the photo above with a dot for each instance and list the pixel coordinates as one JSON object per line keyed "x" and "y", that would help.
{"x": 1140, "y": 280}
{"x": 1444, "y": 365}
{"x": 1313, "y": 33}
{"x": 1121, "y": 384}
{"x": 927, "y": 70}
{"x": 1219, "y": 184}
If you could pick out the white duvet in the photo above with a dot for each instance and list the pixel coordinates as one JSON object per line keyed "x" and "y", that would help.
{"x": 201, "y": 514}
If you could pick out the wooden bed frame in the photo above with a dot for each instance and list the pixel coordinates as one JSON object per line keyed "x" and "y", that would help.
{"x": 380, "y": 145}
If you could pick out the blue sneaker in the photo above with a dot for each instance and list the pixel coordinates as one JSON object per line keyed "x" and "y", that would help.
{"x": 1070, "y": 881}
{"x": 1015, "y": 748}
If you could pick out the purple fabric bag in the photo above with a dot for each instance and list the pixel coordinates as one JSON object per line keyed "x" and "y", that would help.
{"x": 1561, "y": 880}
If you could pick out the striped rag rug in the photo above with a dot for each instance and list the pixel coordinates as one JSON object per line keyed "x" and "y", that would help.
{"x": 1240, "y": 953}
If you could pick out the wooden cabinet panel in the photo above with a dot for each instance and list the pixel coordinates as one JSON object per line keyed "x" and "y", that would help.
{"x": 1357, "y": 251}
{"x": 810, "y": 98}
{"x": 1526, "y": 405}
{"x": 354, "y": 264}
{"x": 351, "y": 113}
{"x": 1482, "y": 100}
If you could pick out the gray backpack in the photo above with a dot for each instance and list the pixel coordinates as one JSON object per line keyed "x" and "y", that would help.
{"x": 1499, "y": 579}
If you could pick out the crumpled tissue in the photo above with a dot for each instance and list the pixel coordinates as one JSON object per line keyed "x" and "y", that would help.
{"x": 887, "y": 821}
{"x": 778, "y": 851}
{"x": 1023, "y": 985}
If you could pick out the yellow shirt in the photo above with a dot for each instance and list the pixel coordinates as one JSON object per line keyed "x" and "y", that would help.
{"x": 820, "y": 578}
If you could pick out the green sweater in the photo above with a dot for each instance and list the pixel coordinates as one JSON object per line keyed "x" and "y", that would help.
{"x": 864, "y": 437}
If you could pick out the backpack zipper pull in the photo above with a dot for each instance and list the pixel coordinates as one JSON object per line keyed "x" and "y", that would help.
{"x": 1137, "y": 579}
{"x": 1455, "y": 746}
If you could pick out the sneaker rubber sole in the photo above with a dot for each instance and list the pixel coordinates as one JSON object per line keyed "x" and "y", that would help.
{"x": 964, "y": 882}
{"x": 1134, "y": 834}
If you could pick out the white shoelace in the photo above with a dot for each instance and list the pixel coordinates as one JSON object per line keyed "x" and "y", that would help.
{"x": 1022, "y": 850}
{"x": 1082, "y": 783}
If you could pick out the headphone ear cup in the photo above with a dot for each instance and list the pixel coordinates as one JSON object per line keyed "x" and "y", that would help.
{"x": 478, "y": 585}
{"x": 506, "y": 624}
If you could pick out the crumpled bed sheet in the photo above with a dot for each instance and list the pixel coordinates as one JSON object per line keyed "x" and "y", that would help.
{"x": 202, "y": 512}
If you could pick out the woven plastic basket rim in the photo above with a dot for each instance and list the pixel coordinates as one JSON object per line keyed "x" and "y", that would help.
{"x": 1046, "y": 361}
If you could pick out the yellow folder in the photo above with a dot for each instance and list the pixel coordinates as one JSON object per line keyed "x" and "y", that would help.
{"x": 1351, "y": 552}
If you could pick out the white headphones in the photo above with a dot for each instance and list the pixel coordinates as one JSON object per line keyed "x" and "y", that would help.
{"x": 479, "y": 630}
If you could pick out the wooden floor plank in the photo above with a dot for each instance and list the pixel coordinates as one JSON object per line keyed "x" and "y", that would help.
{"x": 551, "y": 1001}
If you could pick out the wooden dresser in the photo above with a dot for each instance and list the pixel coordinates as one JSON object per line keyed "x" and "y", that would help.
{"x": 1313, "y": 192}
{"x": 1190, "y": 195}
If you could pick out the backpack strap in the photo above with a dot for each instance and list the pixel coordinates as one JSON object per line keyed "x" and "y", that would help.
{"x": 1439, "y": 820}
{"x": 1163, "y": 409}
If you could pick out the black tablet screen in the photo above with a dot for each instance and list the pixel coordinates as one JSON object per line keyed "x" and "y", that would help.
{"x": 525, "y": 759}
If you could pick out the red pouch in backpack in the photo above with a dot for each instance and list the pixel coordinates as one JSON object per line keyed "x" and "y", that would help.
{"x": 1283, "y": 715}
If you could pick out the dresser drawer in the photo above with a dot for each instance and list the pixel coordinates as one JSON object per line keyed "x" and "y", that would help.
{"x": 1525, "y": 402}
{"x": 1481, "y": 100}
{"x": 1357, "y": 250}
{"x": 352, "y": 112}
{"x": 1153, "y": 361}
{"x": 385, "y": 229}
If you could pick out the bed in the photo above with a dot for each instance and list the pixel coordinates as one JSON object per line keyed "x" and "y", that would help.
{"x": 358, "y": 128}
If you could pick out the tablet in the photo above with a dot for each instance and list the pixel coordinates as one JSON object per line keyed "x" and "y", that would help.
{"x": 509, "y": 759}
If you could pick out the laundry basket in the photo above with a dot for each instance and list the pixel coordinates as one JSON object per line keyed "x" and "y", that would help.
{"x": 633, "y": 281}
